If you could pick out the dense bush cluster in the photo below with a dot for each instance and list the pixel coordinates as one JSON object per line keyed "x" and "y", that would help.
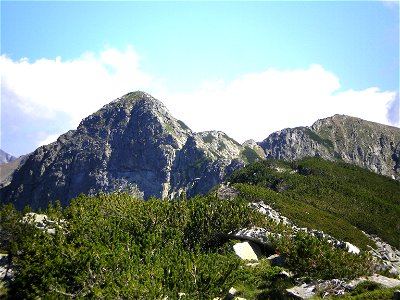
{"x": 117, "y": 247}
{"x": 315, "y": 258}
{"x": 330, "y": 196}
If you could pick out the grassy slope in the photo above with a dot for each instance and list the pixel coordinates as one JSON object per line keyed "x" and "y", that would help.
{"x": 330, "y": 196}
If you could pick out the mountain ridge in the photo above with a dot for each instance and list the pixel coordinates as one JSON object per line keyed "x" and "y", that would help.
{"x": 370, "y": 145}
{"x": 134, "y": 144}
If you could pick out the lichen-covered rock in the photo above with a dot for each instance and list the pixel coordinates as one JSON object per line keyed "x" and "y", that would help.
{"x": 367, "y": 144}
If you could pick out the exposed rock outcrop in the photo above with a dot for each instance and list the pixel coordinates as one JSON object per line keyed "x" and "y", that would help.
{"x": 367, "y": 144}
{"x": 388, "y": 257}
{"x": 133, "y": 144}
{"x": 247, "y": 250}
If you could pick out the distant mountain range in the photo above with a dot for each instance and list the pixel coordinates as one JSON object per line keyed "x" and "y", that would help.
{"x": 134, "y": 144}
{"x": 5, "y": 157}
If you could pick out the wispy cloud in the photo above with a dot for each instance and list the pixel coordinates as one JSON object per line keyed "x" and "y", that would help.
{"x": 393, "y": 4}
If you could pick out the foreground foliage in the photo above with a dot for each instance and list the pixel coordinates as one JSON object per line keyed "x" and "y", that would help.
{"x": 118, "y": 247}
{"x": 115, "y": 246}
{"x": 313, "y": 258}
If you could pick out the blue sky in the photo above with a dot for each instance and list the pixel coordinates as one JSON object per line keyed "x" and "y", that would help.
{"x": 246, "y": 68}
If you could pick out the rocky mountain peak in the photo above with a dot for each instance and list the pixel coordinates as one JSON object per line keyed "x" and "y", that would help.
{"x": 367, "y": 144}
{"x": 135, "y": 110}
{"x": 133, "y": 143}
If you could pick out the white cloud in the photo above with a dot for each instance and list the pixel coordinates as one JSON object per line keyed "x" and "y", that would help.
{"x": 255, "y": 105}
{"x": 393, "y": 4}
{"x": 48, "y": 138}
{"x": 251, "y": 106}
{"x": 76, "y": 87}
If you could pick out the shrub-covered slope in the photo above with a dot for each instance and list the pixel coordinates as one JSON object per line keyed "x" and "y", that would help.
{"x": 330, "y": 196}
{"x": 118, "y": 247}
{"x": 115, "y": 246}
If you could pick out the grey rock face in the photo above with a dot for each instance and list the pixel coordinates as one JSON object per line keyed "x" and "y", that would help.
{"x": 203, "y": 162}
{"x": 369, "y": 145}
{"x": 133, "y": 144}
{"x": 387, "y": 257}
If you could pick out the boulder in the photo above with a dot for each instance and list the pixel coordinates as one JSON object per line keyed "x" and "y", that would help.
{"x": 231, "y": 293}
{"x": 247, "y": 250}
{"x": 352, "y": 249}
{"x": 304, "y": 291}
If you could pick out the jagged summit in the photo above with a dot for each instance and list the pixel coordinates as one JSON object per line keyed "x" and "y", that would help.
{"x": 133, "y": 143}
{"x": 133, "y": 111}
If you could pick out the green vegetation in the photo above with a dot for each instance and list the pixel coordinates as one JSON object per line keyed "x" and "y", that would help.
{"x": 314, "y": 136}
{"x": 221, "y": 146}
{"x": 260, "y": 282}
{"x": 231, "y": 139}
{"x": 331, "y": 196}
{"x": 169, "y": 129}
{"x": 114, "y": 246}
{"x": 310, "y": 257}
{"x": 208, "y": 138}
{"x": 250, "y": 155}
{"x": 118, "y": 247}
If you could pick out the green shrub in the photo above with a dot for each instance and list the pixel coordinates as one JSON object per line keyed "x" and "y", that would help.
{"x": 324, "y": 195}
{"x": 253, "y": 282}
{"x": 366, "y": 286}
{"x": 115, "y": 246}
{"x": 317, "y": 259}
